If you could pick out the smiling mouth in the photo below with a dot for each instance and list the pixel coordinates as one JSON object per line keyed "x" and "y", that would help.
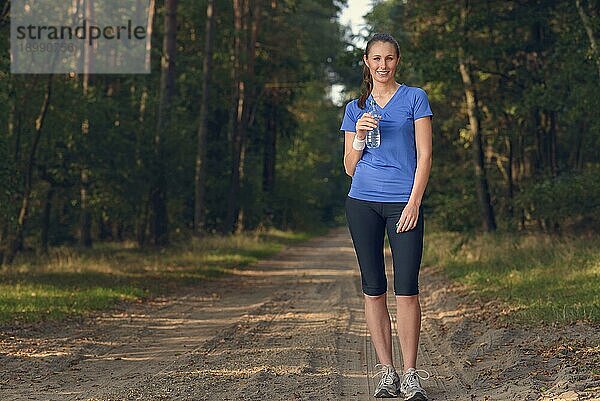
{"x": 383, "y": 72}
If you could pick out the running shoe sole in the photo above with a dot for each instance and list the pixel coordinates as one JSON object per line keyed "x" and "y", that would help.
{"x": 383, "y": 393}
{"x": 416, "y": 397}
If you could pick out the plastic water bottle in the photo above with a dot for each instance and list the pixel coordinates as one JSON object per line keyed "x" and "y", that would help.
{"x": 374, "y": 136}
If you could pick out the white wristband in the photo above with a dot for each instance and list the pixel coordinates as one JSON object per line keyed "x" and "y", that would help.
{"x": 359, "y": 144}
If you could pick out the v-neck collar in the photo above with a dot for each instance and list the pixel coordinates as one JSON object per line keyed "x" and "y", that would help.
{"x": 389, "y": 101}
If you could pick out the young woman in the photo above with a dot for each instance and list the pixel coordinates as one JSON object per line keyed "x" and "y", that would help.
{"x": 387, "y": 188}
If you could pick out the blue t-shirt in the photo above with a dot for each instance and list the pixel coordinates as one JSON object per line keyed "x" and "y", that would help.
{"x": 387, "y": 173}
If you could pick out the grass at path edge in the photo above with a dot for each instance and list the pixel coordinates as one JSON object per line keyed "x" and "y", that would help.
{"x": 73, "y": 282}
{"x": 537, "y": 278}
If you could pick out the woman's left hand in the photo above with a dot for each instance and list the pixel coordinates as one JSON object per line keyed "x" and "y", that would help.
{"x": 408, "y": 218}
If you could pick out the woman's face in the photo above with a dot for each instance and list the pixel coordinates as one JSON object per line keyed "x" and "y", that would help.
{"x": 382, "y": 61}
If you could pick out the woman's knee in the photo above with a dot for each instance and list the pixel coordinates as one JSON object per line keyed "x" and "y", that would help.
{"x": 375, "y": 298}
{"x": 407, "y": 299}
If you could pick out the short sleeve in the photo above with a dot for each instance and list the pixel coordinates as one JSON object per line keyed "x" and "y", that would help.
{"x": 350, "y": 119}
{"x": 421, "y": 105}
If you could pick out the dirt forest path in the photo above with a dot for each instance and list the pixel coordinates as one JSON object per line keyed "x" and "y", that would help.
{"x": 287, "y": 328}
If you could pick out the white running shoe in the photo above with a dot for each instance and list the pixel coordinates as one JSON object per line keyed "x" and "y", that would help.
{"x": 411, "y": 386}
{"x": 389, "y": 383}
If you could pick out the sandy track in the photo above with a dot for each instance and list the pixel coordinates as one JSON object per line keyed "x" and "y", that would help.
{"x": 290, "y": 328}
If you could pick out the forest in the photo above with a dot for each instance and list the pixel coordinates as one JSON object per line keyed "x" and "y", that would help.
{"x": 236, "y": 127}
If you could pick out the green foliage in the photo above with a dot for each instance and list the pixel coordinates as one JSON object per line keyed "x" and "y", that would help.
{"x": 311, "y": 181}
{"x": 298, "y": 42}
{"x": 536, "y": 278}
{"x": 572, "y": 196}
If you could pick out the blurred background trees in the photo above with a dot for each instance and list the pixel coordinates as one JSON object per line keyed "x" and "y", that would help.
{"x": 239, "y": 130}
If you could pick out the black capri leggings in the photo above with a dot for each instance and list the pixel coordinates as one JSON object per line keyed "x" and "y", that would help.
{"x": 368, "y": 221}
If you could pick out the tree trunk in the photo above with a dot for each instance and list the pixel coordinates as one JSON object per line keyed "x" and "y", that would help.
{"x": 235, "y": 118}
{"x": 85, "y": 217}
{"x": 142, "y": 224}
{"x": 246, "y": 23}
{"x": 577, "y": 154}
{"x": 149, "y": 30}
{"x": 587, "y": 24}
{"x": 473, "y": 112}
{"x": 159, "y": 223}
{"x": 552, "y": 143}
{"x": 46, "y": 219}
{"x": 269, "y": 159}
{"x": 538, "y": 161}
{"x": 16, "y": 239}
{"x": 200, "y": 173}
{"x": 509, "y": 172}
{"x": 143, "y": 205}
{"x": 521, "y": 172}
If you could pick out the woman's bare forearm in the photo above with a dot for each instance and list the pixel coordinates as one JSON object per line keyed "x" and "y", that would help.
{"x": 421, "y": 178}
{"x": 351, "y": 155}
{"x": 351, "y": 160}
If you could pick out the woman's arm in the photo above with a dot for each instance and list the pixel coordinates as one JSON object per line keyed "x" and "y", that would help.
{"x": 423, "y": 139}
{"x": 351, "y": 155}
{"x": 423, "y": 142}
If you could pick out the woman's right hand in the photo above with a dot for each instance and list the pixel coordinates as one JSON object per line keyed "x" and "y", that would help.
{"x": 365, "y": 124}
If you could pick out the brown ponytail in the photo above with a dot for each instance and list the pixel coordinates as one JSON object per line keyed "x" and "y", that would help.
{"x": 367, "y": 82}
{"x": 366, "y": 87}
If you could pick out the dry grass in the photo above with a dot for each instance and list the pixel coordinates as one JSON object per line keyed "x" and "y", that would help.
{"x": 539, "y": 277}
{"x": 70, "y": 281}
